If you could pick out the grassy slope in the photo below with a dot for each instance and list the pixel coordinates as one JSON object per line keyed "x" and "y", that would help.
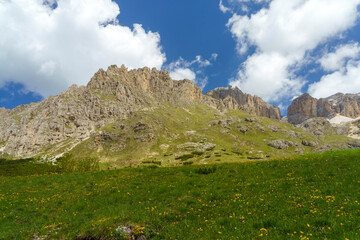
{"x": 314, "y": 196}
{"x": 172, "y": 126}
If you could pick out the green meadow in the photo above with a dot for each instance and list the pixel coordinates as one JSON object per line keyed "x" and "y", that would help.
{"x": 308, "y": 197}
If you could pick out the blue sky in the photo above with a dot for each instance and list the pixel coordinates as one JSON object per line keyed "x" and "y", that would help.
{"x": 276, "y": 49}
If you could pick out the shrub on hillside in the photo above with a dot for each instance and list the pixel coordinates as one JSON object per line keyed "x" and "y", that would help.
{"x": 69, "y": 164}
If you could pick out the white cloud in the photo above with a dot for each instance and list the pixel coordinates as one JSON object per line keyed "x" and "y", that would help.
{"x": 214, "y": 56}
{"x": 266, "y": 74}
{"x": 283, "y": 34}
{"x": 282, "y": 107}
{"x": 48, "y": 49}
{"x": 192, "y": 70}
{"x": 182, "y": 73}
{"x": 336, "y": 60}
{"x": 223, "y": 8}
{"x": 202, "y": 82}
{"x": 344, "y": 65}
{"x": 197, "y": 61}
{"x": 202, "y": 63}
{"x": 345, "y": 81}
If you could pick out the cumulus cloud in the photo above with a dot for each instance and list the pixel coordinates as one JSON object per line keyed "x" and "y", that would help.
{"x": 267, "y": 75}
{"x": 282, "y": 34}
{"x": 336, "y": 60}
{"x": 344, "y": 67}
{"x": 345, "y": 81}
{"x": 192, "y": 70}
{"x": 48, "y": 45}
{"x": 182, "y": 73}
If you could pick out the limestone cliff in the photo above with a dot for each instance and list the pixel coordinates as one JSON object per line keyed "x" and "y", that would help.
{"x": 233, "y": 98}
{"x": 77, "y": 112}
{"x": 305, "y": 107}
{"x": 124, "y": 84}
{"x": 58, "y": 123}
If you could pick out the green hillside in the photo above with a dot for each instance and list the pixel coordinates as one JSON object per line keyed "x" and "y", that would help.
{"x": 175, "y": 136}
{"x": 309, "y": 197}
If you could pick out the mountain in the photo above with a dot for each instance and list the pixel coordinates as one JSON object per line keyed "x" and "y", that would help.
{"x": 305, "y": 107}
{"x": 79, "y": 111}
{"x": 233, "y": 98}
{"x": 142, "y": 116}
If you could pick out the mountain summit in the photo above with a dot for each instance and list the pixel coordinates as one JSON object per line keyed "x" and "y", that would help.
{"x": 305, "y": 107}
{"x": 234, "y": 98}
{"x": 128, "y": 116}
{"x": 112, "y": 94}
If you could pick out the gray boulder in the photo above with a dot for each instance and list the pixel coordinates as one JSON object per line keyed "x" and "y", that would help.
{"x": 281, "y": 144}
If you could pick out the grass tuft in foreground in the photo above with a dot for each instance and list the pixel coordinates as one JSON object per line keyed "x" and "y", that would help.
{"x": 309, "y": 197}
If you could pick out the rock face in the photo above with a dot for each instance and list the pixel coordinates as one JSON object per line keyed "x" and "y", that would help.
{"x": 61, "y": 122}
{"x": 233, "y": 98}
{"x": 305, "y": 107}
{"x": 126, "y": 86}
{"x": 77, "y": 112}
{"x": 316, "y": 126}
{"x": 309, "y": 143}
{"x": 281, "y": 144}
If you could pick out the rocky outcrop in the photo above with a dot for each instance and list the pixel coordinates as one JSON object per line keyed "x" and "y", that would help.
{"x": 126, "y": 85}
{"x": 347, "y": 105}
{"x": 77, "y": 112}
{"x": 60, "y": 122}
{"x": 317, "y": 126}
{"x": 281, "y": 144}
{"x": 305, "y": 107}
{"x": 143, "y": 132}
{"x": 302, "y": 108}
{"x": 309, "y": 143}
{"x": 233, "y": 98}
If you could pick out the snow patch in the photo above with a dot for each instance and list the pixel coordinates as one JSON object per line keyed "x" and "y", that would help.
{"x": 339, "y": 119}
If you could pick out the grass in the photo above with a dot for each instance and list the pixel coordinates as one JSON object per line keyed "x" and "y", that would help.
{"x": 185, "y": 157}
{"x": 33, "y": 166}
{"x": 309, "y": 197}
{"x": 25, "y": 167}
{"x": 175, "y": 126}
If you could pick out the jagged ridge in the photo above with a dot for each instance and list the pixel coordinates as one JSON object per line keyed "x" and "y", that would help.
{"x": 305, "y": 107}
{"x": 78, "y": 111}
{"x": 74, "y": 115}
{"x": 233, "y": 98}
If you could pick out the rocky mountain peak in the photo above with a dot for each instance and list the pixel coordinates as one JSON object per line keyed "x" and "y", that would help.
{"x": 302, "y": 108}
{"x": 77, "y": 113}
{"x": 336, "y": 96}
{"x": 3, "y": 112}
{"x": 233, "y": 98}
{"x": 305, "y": 107}
{"x": 151, "y": 81}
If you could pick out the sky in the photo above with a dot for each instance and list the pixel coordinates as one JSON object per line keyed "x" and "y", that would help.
{"x": 275, "y": 49}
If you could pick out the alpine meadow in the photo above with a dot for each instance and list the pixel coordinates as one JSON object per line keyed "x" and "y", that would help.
{"x": 183, "y": 120}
